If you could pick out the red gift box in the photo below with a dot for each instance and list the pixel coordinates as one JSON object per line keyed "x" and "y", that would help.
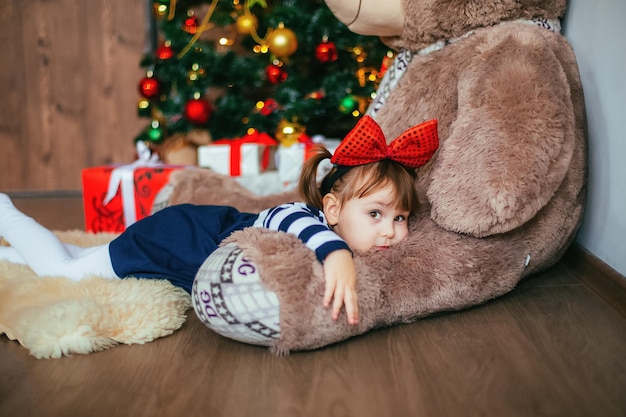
{"x": 121, "y": 211}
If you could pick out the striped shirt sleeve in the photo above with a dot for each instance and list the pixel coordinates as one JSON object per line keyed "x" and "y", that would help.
{"x": 305, "y": 222}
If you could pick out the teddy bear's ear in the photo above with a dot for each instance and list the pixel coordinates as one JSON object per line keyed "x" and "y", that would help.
{"x": 429, "y": 21}
{"x": 370, "y": 17}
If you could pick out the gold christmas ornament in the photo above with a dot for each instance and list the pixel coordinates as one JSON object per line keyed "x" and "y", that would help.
{"x": 287, "y": 133}
{"x": 143, "y": 108}
{"x": 159, "y": 10}
{"x": 359, "y": 54}
{"x": 262, "y": 3}
{"x": 367, "y": 74}
{"x": 246, "y": 24}
{"x": 282, "y": 42}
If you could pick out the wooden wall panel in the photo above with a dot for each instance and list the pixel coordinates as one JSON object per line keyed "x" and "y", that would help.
{"x": 68, "y": 88}
{"x": 11, "y": 76}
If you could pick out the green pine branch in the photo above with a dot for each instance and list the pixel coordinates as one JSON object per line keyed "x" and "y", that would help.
{"x": 235, "y": 78}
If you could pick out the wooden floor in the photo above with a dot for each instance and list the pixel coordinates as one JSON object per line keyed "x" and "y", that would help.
{"x": 552, "y": 347}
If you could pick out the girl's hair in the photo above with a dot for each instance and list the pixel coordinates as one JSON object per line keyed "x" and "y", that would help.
{"x": 358, "y": 181}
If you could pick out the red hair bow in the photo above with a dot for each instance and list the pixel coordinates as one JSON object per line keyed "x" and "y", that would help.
{"x": 366, "y": 143}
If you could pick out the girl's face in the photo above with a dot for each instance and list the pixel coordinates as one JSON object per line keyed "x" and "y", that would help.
{"x": 373, "y": 221}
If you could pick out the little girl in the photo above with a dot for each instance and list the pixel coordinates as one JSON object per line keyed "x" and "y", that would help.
{"x": 363, "y": 203}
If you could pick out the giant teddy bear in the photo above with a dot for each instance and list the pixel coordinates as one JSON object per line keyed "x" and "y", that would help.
{"x": 501, "y": 199}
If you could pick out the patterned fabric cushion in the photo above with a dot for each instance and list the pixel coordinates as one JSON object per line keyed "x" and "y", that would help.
{"x": 230, "y": 299}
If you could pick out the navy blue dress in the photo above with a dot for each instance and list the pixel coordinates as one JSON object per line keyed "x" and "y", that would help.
{"x": 173, "y": 243}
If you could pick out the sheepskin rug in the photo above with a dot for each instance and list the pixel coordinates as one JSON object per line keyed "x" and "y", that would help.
{"x": 55, "y": 316}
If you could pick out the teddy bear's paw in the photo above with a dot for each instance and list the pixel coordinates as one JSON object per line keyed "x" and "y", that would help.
{"x": 162, "y": 198}
{"x": 229, "y": 298}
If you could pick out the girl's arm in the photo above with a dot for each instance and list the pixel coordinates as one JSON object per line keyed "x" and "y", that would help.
{"x": 307, "y": 223}
{"x": 340, "y": 277}
{"x": 331, "y": 250}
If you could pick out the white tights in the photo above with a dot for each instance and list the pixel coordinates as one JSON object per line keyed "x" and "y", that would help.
{"x": 35, "y": 246}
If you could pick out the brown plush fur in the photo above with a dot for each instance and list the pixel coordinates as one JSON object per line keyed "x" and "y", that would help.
{"x": 201, "y": 186}
{"x": 506, "y": 187}
{"x": 427, "y": 21}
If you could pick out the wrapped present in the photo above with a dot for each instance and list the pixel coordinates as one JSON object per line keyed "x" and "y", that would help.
{"x": 114, "y": 197}
{"x": 289, "y": 159}
{"x": 248, "y": 155}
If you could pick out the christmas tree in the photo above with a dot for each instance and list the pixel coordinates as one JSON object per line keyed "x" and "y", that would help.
{"x": 233, "y": 67}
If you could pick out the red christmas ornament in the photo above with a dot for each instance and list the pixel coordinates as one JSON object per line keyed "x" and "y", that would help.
{"x": 198, "y": 111}
{"x": 316, "y": 95}
{"x": 386, "y": 63}
{"x": 326, "y": 52}
{"x": 275, "y": 74}
{"x": 164, "y": 52}
{"x": 269, "y": 107}
{"x": 191, "y": 25}
{"x": 149, "y": 87}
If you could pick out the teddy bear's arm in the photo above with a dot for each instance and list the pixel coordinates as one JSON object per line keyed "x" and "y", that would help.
{"x": 511, "y": 143}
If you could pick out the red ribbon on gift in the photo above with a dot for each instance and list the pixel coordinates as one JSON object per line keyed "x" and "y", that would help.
{"x": 122, "y": 178}
{"x": 258, "y": 138}
{"x": 308, "y": 143}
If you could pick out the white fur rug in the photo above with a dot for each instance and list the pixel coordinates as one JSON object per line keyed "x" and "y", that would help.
{"x": 54, "y": 316}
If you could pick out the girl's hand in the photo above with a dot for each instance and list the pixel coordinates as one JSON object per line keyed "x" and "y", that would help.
{"x": 340, "y": 277}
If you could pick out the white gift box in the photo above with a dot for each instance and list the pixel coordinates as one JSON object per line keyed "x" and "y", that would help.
{"x": 249, "y": 155}
{"x": 289, "y": 161}
{"x": 218, "y": 158}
